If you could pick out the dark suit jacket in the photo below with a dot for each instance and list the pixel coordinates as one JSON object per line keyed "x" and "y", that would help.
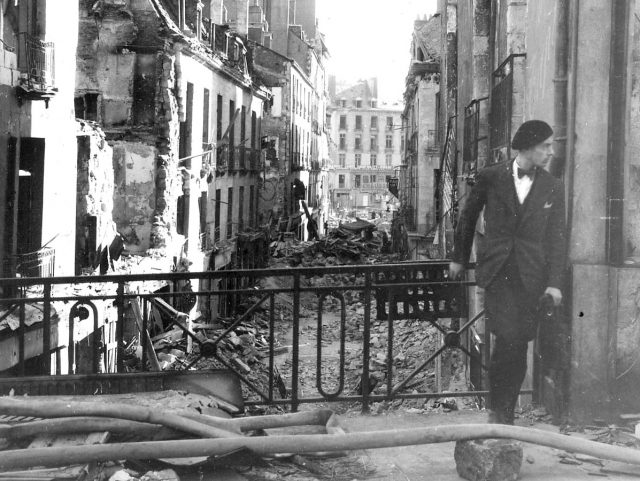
{"x": 534, "y": 232}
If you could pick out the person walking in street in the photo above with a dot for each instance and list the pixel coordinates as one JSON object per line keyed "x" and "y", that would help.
{"x": 522, "y": 258}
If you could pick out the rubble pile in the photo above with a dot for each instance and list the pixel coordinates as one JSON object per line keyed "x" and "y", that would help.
{"x": 355, "y": 243}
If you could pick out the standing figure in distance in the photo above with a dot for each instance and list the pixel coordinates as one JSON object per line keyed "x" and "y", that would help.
{"x": 523, "y": 255}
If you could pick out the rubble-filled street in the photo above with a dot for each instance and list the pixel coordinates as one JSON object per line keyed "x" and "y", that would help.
{"x": 319, "y": 240}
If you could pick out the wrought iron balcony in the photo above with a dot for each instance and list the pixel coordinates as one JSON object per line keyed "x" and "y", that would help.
{"x": 36, "y": 65}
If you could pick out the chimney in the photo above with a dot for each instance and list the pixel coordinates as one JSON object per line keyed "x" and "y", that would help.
{"x": 373, "y": 86}
{"x": 279, "y": 22}
{"x": 292, "y": 12}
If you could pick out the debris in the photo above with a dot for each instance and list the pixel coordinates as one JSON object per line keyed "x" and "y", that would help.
{"x": 488, "y": 459}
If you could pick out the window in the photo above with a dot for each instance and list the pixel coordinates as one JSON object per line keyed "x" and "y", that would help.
{"x": 343, "y": 103}
{"x": 342, "y": 158}
{"x": 358, "y": 122}
{"x": 343, "y": 141}
{"x": 374, "y": 160}
{"x": 343, "y": 122}
{"x": 373, "y": 179}
{"x": 254, "y": 130}
{"x": 243, "y": 133}
{"x": 389, "y": 141}
{"x": 232, "y": 130}
{"x": 202, "y": 208}
{"x": 374, "y": 123}
{"x": 219, "y": 120}
{"x": 184, "y": 145}
{"x": 374, "y": 143}
{"x": 356, "y": 181}
{"x": 230, "y": 213}
{"x": 365, "y": 179}
{"x": 87, "y": 107}
{"x": 241, "y": 209}
{"x": 205, "y": 117}
{"x": 387, "y": 159}
{"x": 358, "y": 160}
{"x": 252, "y": 215}
{"x": 341, "y": 181}
{"x": 389, "y": 123}
{"x": 217, "y": 199}
{"x": 374, "y": 103}
{"x": 358, "y": 142}
{"x": 358, "y": 103}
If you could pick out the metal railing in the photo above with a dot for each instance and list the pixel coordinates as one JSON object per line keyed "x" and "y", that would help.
{"x": 418, "y": 291}
{"x": 36, "y": 61}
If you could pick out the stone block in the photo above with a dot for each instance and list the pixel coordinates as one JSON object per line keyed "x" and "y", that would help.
{"x": 488, "y": 459}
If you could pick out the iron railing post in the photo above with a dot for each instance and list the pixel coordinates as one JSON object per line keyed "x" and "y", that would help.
{"x": 46, "y": 330}
{"x": 366, "y": 337}
{"x": 296, "y": 342}
{"x": 120, "y": 327}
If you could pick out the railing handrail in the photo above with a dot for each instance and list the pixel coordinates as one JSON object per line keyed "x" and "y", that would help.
{"x": 176, "y": 276}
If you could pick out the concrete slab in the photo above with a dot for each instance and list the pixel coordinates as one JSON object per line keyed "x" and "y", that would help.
{"x": 436, "y": 462}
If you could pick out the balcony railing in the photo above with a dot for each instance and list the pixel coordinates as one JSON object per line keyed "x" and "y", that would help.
{"x": 242, "y": 157}
{"x": 36, "y": 60}
{"x": 390, "y": 292}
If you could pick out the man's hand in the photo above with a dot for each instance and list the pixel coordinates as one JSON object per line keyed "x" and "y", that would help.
{"x": 455, "y": 271}
{"x": 555, "y": 294}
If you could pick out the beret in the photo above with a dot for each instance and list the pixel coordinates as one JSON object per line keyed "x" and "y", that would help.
{"x": 531, "y": 133}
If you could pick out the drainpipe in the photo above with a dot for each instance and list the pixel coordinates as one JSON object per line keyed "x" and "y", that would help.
{"x": 560, "y": 82}
{"x": 569, "y": 161}
{"x": 617, "y": 134}
{"x": 182, "y": 114}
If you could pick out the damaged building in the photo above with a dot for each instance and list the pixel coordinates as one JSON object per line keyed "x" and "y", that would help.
{"x": 173, "y": 92}
{"x": 420, "y": 166}
{"x": 289, "y": 57}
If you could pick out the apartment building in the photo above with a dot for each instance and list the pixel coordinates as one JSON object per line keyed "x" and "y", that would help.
{"x": 366, "y": 148}
{"x": 38, "y": 149}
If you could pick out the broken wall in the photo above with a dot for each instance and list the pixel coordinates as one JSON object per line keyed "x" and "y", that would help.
{"x": 95, "y": 228}
{"x": 134, "y": 199}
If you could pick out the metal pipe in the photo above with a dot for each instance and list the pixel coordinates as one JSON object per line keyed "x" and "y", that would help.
{"x": 560, "y": 82}
{"x": 574, "y": 15}
{"x": 305, "y": 443}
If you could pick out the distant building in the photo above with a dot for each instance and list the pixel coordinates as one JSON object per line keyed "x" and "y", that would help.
{"x": 366, "y": 149}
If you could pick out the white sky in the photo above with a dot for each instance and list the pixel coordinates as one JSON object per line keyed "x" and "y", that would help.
{"x": 369, "y": 38}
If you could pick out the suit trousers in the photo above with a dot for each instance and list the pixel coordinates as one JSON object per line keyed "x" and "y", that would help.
{"x": 512, "y": 315}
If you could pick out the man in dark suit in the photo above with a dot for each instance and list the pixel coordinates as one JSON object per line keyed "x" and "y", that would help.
{"x": 522, "y": 257}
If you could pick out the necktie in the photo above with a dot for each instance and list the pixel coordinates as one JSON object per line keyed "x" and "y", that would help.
{"x": 529, "y": 173}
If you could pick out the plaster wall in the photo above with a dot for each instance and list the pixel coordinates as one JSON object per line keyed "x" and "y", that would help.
{"x": 56, "y": 125}
{"x": 631, "y": 214}
{"x": 587, "y": 239}
{"x": 134, "y": 193}
{"x": 540, "y": 63}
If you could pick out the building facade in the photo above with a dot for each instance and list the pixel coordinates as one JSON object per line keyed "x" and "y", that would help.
{"x": 38, "y": 151}
{"x": 573, "y": 64}
{"x": 366, "y": 148}
{"x": 421, "y": 155}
